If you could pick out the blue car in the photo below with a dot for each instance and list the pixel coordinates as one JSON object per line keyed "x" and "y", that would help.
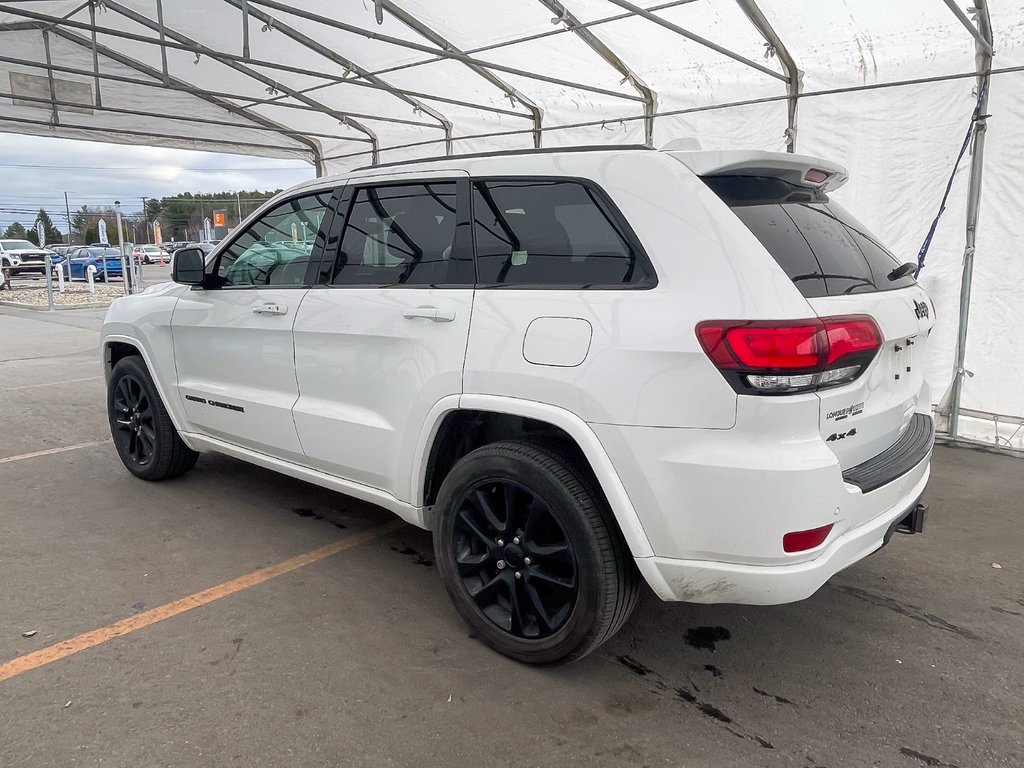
{"x": 82, "y": 258}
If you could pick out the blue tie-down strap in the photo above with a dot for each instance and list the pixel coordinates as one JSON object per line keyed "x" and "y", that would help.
{"x": 949, "y": 184}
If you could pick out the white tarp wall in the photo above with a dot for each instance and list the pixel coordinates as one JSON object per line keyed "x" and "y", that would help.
{"x": 322, "y": 80}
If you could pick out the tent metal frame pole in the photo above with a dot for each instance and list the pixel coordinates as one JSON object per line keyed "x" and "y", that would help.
{"x": 710, "y": 107}
{"x": 40, "y": 20}
{"x": 190, "y": 119}
{"x": 95, "y": 54}
{"x": 465, "y": 58}
{"x": 598, "y": 46}
{"x": 645, "y": 14}
{"x": 192, "y": 90}
{"x": 983, "y": 57}
{"x": 363, "y": 84}
{"x": 245, "y": 36}
{"x": 49, "y": 78}
{"x": 319, "y": 48}
{"x": 510, "y": 91}
{"x": 981, "y": 42}
{"x": 316, "y": 150}
{"x": 183, "y": 87}
{"x": 532, "y": 37}
{"x": 100, "y": 134}
{"x": 794, "y": 75}
{"x": 174, "y": 34}
{"x": 163, "y": 40}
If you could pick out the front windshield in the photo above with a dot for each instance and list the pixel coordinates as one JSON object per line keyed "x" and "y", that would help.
{"x": 16, "y": 245}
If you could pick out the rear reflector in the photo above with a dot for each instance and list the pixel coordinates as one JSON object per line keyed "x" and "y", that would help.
{"x": 782, "y": 356}
{"x": 801, "y": 541}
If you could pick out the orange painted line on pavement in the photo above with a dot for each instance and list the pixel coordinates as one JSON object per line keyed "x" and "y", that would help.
{"x": 51, "y": 451}
{"x": 26, "y": 663}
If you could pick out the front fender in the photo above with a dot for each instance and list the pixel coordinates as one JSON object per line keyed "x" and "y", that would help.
{"x": 143, "y": 320}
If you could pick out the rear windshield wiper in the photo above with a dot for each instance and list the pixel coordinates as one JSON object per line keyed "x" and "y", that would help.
{"x": 902, "y": 271}
{"x": 858, "y": 280}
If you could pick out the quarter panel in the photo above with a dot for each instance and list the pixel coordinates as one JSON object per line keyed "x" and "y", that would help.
{"x": 644, "y": 365}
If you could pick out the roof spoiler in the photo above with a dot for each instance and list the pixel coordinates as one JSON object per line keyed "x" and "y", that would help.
{"x": 801, "y": 170}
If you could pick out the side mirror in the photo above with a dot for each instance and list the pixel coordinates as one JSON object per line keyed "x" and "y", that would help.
{"x": 189, "y": 266}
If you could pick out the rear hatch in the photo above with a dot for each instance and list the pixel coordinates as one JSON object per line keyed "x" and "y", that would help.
{"x": 843, "y": 271}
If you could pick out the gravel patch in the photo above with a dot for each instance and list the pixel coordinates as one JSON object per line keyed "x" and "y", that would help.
{"x": 72, "y": 296}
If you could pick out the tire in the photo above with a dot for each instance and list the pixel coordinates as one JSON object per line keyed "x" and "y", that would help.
{"x": 145, "y": 438}
{"x": 560, "y": 519}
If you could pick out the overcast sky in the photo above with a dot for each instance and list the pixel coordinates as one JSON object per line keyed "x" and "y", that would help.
{"x": 36, "y": 171}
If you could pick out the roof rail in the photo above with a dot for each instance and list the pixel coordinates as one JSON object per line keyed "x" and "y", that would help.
{"x": 508, "y": 152}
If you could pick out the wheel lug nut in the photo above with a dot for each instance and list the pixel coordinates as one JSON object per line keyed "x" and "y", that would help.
{"x": 526, "y": 560}
{"x": 501, "y": 564}
{"x": 519, "y": 575}
{"x": 501, "y": 543}
{"x": 515, "y": 540}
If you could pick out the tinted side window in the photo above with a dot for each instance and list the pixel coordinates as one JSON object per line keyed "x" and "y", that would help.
{"x": 823, "y": 249}
{"x": 275, "y": 250}
{"x": 401, "y": 235}
{"x": 550, "y": 233}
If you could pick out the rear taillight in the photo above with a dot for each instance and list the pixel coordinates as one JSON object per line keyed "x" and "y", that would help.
{"x": 785, "y": 356}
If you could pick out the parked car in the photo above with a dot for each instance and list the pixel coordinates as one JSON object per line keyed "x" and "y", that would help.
{"x": 20, "y": 256}
{"x": 106, "y": 260}
{"x": 149, "y": 254}
{"x": 205, "y": 247}
{"x": 580, "y": 369}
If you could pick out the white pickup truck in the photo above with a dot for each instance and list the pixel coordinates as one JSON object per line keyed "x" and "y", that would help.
{"x": 22, "y": 256}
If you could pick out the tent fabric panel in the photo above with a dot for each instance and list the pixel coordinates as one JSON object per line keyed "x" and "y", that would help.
{"x": 871, "y": 42}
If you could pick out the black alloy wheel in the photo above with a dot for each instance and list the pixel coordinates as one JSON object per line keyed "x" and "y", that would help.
{"x": 514, "y": 558}
{"x": 133, "y": 416}
{"x": 530, "y": 553}
{"x": 144, "y": 435}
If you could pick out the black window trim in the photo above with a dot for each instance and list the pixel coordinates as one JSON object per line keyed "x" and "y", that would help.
{"x": 315, "y": 255}
{"x": 463, "y": 230}
{"x": 611, "y": 211}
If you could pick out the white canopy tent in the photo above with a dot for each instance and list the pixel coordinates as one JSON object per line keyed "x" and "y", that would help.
{"x": 887, "y": 89}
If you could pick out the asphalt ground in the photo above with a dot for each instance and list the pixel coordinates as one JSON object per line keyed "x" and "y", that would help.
{"x": 186, "y": 624}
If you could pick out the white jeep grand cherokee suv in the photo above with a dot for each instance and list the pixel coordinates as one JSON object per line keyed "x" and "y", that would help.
{"x": 578, "y": 368}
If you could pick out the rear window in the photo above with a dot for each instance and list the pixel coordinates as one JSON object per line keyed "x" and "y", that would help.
{"x": 547, "y": 233}
{"x": 824, "y": 250}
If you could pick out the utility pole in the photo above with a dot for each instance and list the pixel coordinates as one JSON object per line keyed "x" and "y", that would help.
{"x": 145, "y": 218}
{"x": 238, "y": 202}
{"x": 67, "y": 209}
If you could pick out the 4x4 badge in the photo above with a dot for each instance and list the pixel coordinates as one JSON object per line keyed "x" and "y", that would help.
{"x": 920, "y": 309}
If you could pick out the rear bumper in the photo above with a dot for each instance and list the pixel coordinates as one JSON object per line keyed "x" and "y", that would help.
{"x": 703, "y": 581}
{"x": 716, "y": 505}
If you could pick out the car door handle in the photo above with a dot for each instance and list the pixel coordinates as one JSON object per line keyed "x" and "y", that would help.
{"x": 270, "y": 308}
{"x": 429, "y": 313}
